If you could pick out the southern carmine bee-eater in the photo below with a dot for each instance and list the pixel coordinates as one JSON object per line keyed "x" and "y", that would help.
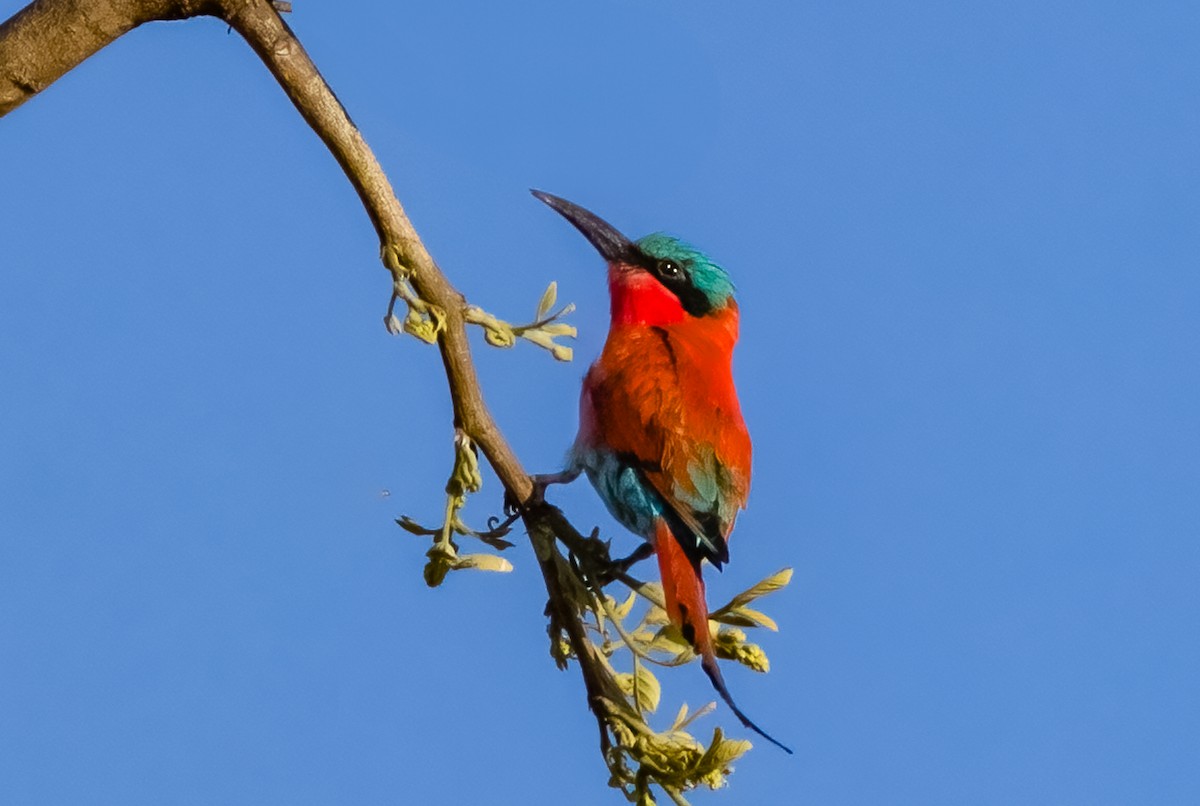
{"x": 661, "y": 435}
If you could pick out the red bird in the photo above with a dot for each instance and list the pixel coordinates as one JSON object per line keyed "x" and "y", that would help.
{"x": 661, "y": 435}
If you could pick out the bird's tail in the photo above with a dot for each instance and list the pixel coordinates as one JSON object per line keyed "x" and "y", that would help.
{"x": 683, "y": 590}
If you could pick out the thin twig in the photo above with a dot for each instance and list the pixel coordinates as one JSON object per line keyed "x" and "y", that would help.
{"x": 48, "y": 38}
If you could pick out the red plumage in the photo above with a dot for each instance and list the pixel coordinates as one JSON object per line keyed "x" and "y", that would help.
{"x": 661, "y": 396}
{"x": 661, "y": 434}
{"x": 662, "y": 392}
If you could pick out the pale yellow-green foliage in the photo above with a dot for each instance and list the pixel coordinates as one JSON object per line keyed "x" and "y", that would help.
{"x": 542, "y": 331}
{"x": 672, "y": 759}
{"x": 638, "y": 756}
{"x": 424, "y": 319}
{"x": 444, "y": 557}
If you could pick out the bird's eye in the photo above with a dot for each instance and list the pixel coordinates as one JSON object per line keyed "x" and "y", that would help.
{"x": 669, "y": 268}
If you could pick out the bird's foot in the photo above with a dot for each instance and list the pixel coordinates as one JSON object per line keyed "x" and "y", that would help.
{"x": 608, "y": 570}
{"x": 544, "y": 480}
{"x": 538, "y": 494}
{"x": 642, "y": 552}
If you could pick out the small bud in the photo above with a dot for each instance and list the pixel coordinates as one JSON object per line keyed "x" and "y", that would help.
{"x": 499, "y": 337}
{"x": 425, "y": 328}
{"x": 392, "y": 260}
{"x": 435, "y": 571}
{"x": 465, "y": 477}
{"x": 730, "y": 643}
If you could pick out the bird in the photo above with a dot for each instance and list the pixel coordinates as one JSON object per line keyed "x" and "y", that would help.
{"x": 661, "y": 435}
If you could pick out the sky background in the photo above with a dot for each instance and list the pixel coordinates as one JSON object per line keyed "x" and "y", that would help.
{"x": 966, "y": 240}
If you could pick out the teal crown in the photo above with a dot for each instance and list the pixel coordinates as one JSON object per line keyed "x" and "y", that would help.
{"x": 706, "y": 275}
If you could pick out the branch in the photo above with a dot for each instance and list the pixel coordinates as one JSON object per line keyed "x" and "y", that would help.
{"x": 48, "y": 38}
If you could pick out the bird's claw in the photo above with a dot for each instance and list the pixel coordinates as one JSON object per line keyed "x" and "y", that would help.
{"x": 642, "y": 552}
{"x": 606, "y": 570}
{"x": 537, "y": 496}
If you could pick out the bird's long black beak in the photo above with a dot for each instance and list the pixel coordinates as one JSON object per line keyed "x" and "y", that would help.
{"x": 611, "y": 244}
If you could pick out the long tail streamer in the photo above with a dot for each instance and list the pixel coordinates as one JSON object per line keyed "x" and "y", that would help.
{"x": 683, "y": 589}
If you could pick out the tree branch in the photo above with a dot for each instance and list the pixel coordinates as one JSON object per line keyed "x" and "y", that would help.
{"x": 49, "y": 37}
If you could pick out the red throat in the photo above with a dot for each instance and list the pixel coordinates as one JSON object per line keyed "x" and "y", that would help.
{"x": 639, "y": 299}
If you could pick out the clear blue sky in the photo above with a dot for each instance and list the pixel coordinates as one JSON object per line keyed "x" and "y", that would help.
{"x": 967, "y": 247}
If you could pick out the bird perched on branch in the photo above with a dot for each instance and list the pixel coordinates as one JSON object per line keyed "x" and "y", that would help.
{"x": 661, "y": 435}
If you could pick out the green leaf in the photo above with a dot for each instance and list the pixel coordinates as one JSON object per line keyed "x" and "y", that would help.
{"x": 559, "y": 329}
{"x": 642, "y": 687}
{"x": 680, "y": 717}
{"x": 745, "y": 617}
{"x": 669, "y": 639}
{"x": 483, "y": 562}
{"x": 409, "y": 525}
{"x": 759, "y": 618}
{"x": 649, "y": 692}
{"x": 682, "y": 720}
{"x": 714, "y": 765}
{"x": 775, "y": 582}
{"x": 622, "y": 610}
{"x": 548, "y": 299}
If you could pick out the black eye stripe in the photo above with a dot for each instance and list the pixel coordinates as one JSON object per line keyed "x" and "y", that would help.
{"x": 694, "y": 301}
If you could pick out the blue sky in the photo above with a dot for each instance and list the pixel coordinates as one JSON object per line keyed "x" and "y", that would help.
{"x": 966, "y": 242}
